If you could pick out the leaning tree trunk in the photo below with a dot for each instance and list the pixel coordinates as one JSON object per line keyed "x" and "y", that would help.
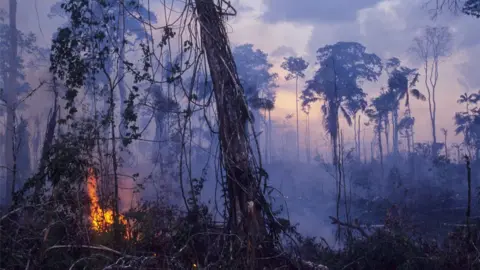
{"x": 245, "y": 198}
{"x": 47, "y": 143}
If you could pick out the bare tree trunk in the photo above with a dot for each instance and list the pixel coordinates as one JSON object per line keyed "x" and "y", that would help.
{"x": 380, "y": 149}
{"x": 245, "y": 198}
{"x": 446, "y": 147}
{"x": 387, "y": 134}
{"x": 307, "y": 139}
{"x": 116, "y": 223}
{"x": 270, "y": 143}
{"x": 359, "y": 135}
{"x": 10, "y": 97}
{"x": 355, "y": 135}
{"x": 372, "y": 143}
{"x": 121, "y": 66}
{"x": 395, "y": 132}
{"x": 296, "y": 108}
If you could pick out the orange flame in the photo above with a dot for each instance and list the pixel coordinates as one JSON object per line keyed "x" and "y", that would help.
{"x": 101, "y": 219}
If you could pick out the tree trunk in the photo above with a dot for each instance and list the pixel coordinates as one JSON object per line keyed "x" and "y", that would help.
{"x": 121, "y": 67}
{"x": 395, "y": 132}
{"x": 245, "y": 199}
{"x": 116, "y": 223}
{"x": 47, "y": 142}
{"x": 270, "y": 143}
{"x": 296, "y": 108}
{"x": 387, "y": 134}
{"x": 446, "y": 147}
{"x": 355, "y": 135}
{"x": 307, "y": 139}
{"x": 359, "y": 138}
{"x": 10, "y": 97}
{"x": 380, "y": 149}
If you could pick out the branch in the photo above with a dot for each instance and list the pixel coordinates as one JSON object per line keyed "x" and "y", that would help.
{"x": 99, "y": 248}
{"x": 351, "y": 226}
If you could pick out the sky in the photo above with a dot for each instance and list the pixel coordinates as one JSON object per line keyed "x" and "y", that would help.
{"x": 284, "y": 28}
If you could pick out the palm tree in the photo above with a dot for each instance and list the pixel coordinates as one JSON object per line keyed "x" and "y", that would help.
{"x": 266, "y": 104}
{"x": 296, "y": 67}
{"x": 468, "y": 120}
{"x": 401, "y": 83}
{"x": 468, "y": 99}
{"x": 377, "y": 112}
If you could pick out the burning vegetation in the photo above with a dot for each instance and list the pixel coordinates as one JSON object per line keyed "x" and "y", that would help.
{"x": 102, "y": 220}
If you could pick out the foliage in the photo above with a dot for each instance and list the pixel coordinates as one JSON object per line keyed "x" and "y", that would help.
{"x": 26, "y": 45}
{"x": 338, "y": 83}
{"x": 255, "y": 76}
{"x": 472, "y": 8}
{"x": 296, "y": 67}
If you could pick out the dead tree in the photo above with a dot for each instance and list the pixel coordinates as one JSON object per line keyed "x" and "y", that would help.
{"x": 244, "y": 194}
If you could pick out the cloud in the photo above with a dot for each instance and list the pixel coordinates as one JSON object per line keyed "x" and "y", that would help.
{"x": 283, "y": 51}
{"x": 307, "y": 11}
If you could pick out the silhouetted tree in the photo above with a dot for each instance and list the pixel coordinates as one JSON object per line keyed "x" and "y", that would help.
{"x": 254, "y": 72}
{"x": 336, "y": 83}
{"x": 296, "y": 67}
{"x": 434, "y": 44}
{"x": 401, "y": 81}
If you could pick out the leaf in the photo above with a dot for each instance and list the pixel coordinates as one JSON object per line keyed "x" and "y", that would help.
{"x": 416, "y": 93}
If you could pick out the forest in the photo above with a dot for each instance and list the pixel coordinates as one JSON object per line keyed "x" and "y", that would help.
{"x": 141, "y": 137}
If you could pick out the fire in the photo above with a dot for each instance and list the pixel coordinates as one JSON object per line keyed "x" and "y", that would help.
{"x": 101, "y": 219}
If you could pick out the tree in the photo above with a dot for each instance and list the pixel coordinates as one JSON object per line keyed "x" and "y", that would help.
{"x": 82, "y": 53}
{"x": 468, "y": 7}
{"x": 445, "y": 133}
{"x": 22, "y": 153}
{"x": 306, "y": 110}
{"x": 467, "y": 122}
{"x": 401, "y": 81}
{"x": 468, "y": 99}
{"x": 246, "y": 201}
{"x": 296, "y": 67}
{"x": 259, "y": 83}
{"x": 430, "y": 48}
{"x": 336, "y": 83}
{"x": 377, "y": 112}
{"x": 9, "y": 96}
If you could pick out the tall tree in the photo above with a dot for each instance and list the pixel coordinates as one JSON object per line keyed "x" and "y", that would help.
{"x": 336, "y": 83}
{"x": 82, "y": 53}
{"x": 377, "y": 112}
{"x": 468, "y": 122}
{"x": 10, "y": 96}
{"x": 401, "y": 81}
{"x": 257, "y": 79}
{"x": 445, "y": 133}
{"x": 468, "y": 99}
{"x": 306, "y": 109}
{"x": 296, "y": 67}
{"x": 434, "y": 44}
{"x": 246, "y": 200}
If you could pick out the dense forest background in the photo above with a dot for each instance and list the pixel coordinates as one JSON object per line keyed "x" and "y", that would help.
{"x": 140, "y": 137}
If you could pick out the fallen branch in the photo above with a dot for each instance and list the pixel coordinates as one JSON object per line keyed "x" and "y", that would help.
{"x": 351, "y": 226}
{"x": 99, "y": 248}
